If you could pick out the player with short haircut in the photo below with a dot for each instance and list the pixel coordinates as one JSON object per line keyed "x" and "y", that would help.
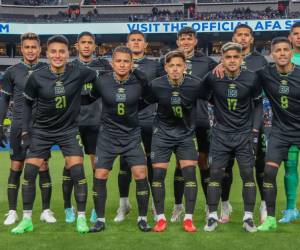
{"x": 136, "y": 42}
{"x": 281, "y": 84}
{"x": 253, "y": 61}
{"x": 176, "y": 94}
{"x": 13, "y": 85}
{"x": 89, "y": 118}
{"x": 197, "y": 65}
{"x": 120, "y": 134}
{"x": 233, "y": 97}
{"x": 56, "y": 89}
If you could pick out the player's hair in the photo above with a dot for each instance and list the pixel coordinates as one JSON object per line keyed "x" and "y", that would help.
{"x": 122, "y": 49}
{"x": 136, "y": 32}
{"x": 58, "y": 39}
{"x": 186, "y": 31}
{"x": 280, "y": 39}
{"x": 231, "y": 46}
{"x": 243, "y": 26}
{"x": 86, "y": 33}
{"x": 295, "y": 25}
{"x": 173, "y": 54}
{"x": 30, "y": 36}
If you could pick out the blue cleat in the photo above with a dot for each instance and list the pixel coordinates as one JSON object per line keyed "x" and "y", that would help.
{"x": 289, "y": 215}
{"x": 93, "y": 217}
{"x": 70, "y": 215}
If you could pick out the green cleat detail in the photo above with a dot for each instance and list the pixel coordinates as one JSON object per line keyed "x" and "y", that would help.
{"x": 270, "y": 223}
{"x": 81, "y": 225}
{"x": 24, "y": 226}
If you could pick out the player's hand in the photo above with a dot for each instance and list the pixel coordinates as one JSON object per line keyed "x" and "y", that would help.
{"x": 25, "y": 140}
{"x": 219, "y": 71}
{"x": 255, "y": 135}
{"x": 3, "y": 139}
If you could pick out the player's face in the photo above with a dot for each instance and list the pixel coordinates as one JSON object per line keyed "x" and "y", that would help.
{"x": 57, "y": 54}
{"x": 31, "y": 50}
{"x": 295, "y": 37}
{"x": 175, "y": 68}
{"x": 243, "y": 37}
{"x": 232, "y": 60}
{"x": 282, "y": 54}
{"x": 187, "y": 43}
{"x": 86, "y": 46}
{"x": 122, "y": 63}
{"x": 137, "y": 44}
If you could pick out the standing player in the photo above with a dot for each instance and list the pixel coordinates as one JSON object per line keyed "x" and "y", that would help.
{"x": 13, "y": 85}
{"x": 197, "y": 65}
{"x": 233, "y": 97}
{"x": 89, "y": 118}
{"x": 120, "y": 133}
{"x": 57, "y": 90}
{"x": 173, "y": 131}
{"x": 136, "y": 42}
{"x": 253, "y": 61}
{"x": 291, "y": 178}
{"x": 282, "y": 86}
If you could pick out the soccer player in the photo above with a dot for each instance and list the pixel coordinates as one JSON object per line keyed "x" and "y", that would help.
{"x": 136, "y": 42}
{"x": 233, "y": 97}
{"x": 13, "y": 84}
{"x": 281, "y": 84}
{"x": 291, "y": 178}
{"x": 120, "y": 133}
{"x": 173, "y": 131}
{"x": 253, "y": 61}
{"x": 197, "y": 65}
{"x": 56, "y": 89}
{"x": 89, "y": 118}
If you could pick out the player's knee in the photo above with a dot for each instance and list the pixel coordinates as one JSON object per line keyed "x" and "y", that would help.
{"x": 30, "y": 173}
{"x": 44, "y": 167}
{"x": 139, "y": 173}
{"x": 17, "y": 165}
{"x": 216, "y": 174}
{"x": 77, "y": 172}
{"x": 247, "y": 174}
{"x": 270, "y": 173}
{"x": 189, "y": 173}
{"x": 101, "y": 173}
{"x": 159, "y": 174}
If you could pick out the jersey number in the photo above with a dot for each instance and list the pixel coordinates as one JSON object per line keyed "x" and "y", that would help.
{"x": 177, "y": 111}
{"x": 284, "y": 102}
{"x": 232, "y": 103}
{"x": 121, "y": 108}
{"x": 60, "y": 102}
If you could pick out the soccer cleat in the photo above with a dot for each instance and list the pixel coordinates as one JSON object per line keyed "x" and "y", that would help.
{"x": 188, "y": 226}
{"x": 225, "y": 213}
{"x": 81, "y": 225}
{"x": 121, "y": 213}
{"x": 93, "y": 217}
{"x": 211, "y": 225}
{"x": 160, "y": 226}
{"x": 47, "y": 216}
{"x": 177, "y": 214}
{"x": 249, "y": 226}
{"x": 98, "y": 227}
{"x": 289, "y": 215}
{"x": 143, "y": 226}
{"x": 270, "y": 223}
{"x": 263, "y": 213}
{"x": 70, "y": 215}
{"x": 11, "y": 218}
{"x": 24, "y": 226}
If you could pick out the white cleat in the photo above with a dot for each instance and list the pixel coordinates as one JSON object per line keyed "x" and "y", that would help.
{"x": 211, "y": 225}
{"x": 249, "y": 226}
{"x": 122, "y": 212}
{"x": 11, "y": 218}
{"x": 47, "y": 216}
{"x": 226, "y": 210}
{"x": 178, "y": 213}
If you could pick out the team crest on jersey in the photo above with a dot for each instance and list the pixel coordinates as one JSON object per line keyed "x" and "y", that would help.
{"x": 175, "y": 98}
{"x": 121, "y": 96}
{"x": 59, "y": 88}
{"x": 232, "y": 93}
{"x": 284, "y": 89}
{"x": 243, "y": 65}
{"x": 189, "y": 67}
{"x": 135, "y": 65}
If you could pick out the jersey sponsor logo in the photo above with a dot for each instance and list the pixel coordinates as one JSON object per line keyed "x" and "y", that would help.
{"x": 175, "y": 98}
{"x": 59, "y": 89}
{"x": 284, "y": 89}
{"x": 232, "y": 93}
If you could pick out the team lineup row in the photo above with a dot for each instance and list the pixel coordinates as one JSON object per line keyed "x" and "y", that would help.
{"x": 165, "y": 107}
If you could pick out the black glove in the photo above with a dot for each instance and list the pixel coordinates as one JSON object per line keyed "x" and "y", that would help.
{"x": 25, "y": 140}
{"x": 255, "y": 135}
{"x": 3, "y": 139}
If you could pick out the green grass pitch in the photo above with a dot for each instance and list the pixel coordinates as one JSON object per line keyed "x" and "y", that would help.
{"x": 126, "y": 235}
